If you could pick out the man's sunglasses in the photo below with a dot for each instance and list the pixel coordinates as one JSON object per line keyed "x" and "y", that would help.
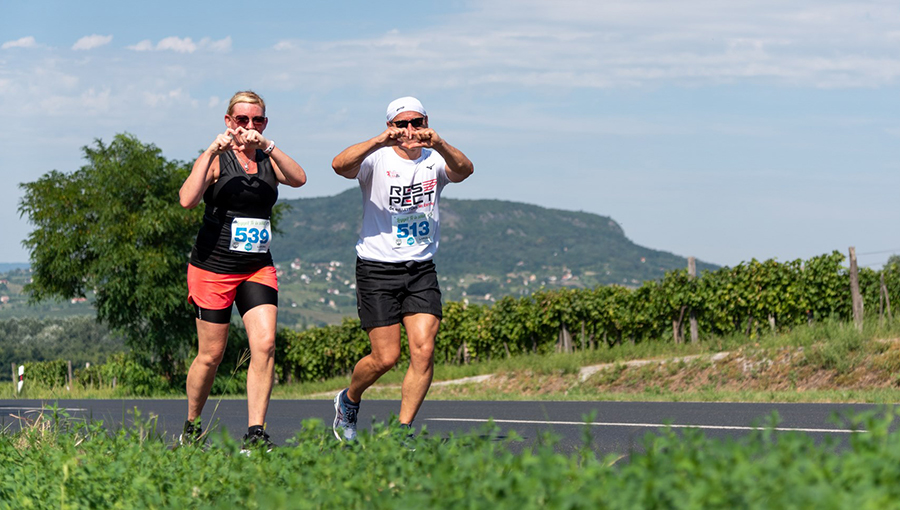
{"x": 243, "y": 120}
{"x": 416, "y": 123}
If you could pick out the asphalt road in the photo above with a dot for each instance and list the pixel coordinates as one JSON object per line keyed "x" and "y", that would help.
{"x": 616, "y": 427}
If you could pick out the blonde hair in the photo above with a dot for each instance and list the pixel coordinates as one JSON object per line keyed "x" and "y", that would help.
{"x": 246, "y": 96}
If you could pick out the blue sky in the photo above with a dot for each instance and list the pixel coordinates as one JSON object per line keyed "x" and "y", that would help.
{"x": 723, "y": 130}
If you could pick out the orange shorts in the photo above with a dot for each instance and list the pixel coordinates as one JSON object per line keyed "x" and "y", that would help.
{"x": 214, "y": 291}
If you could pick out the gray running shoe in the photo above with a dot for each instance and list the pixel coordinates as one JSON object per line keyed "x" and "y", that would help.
{"x": 344, "y": 426}
{"x": 405, "y": 436}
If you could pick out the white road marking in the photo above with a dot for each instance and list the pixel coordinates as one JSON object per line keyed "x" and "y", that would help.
{"x": 36, "y": 409}
{"x": 646, "y": 425}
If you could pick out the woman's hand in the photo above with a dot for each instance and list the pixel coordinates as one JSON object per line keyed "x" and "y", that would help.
{"x": 249, "y": 139}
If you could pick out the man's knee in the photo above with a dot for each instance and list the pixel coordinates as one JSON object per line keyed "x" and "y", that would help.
{"x": 423, "y": 352}
{"x": 385, "y": 361}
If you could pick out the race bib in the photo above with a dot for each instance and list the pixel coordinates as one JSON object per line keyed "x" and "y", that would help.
{"x": 250, "y": 235}
{"x": 413, "y": 228}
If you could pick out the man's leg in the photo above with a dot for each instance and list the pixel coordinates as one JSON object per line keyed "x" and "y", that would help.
{"x": 421, "y": 328}
{"x": 260, "y": 322}
{"x": 212, "y": 338}
{"x": 385, "y": 353}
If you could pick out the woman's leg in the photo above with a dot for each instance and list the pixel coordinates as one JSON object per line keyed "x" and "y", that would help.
{"x": 212, "y": 339}
{"x": 260, "y": 322}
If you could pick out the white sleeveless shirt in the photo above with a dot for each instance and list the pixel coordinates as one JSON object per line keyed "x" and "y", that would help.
{"x": 400, "y": 206}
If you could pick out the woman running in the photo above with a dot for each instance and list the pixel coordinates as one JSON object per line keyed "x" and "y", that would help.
{"x": 237, "y": 178}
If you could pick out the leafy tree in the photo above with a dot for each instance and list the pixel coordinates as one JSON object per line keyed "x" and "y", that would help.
{"x": 892, "y": 261}
{"x": 115, "y": 227}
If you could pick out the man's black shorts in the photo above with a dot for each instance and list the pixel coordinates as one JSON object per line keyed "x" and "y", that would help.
{"x": 385, "y": 291}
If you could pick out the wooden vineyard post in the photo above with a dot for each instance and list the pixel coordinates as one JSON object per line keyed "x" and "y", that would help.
{"x": 855, "y": 296}
{"x": 692, "y": 273}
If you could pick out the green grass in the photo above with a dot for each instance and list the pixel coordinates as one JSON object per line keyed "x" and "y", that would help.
{"x": 60, "y": 463}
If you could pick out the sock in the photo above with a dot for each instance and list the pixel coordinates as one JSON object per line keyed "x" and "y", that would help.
{"x": 346, "y": 400}
{"x": 252, "y": 431}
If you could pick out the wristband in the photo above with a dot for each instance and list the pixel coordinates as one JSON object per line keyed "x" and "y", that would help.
{"x": 270, "y": 148}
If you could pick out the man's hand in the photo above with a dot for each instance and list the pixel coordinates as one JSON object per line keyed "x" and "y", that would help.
{"x": 426, "y": 137}
{"x": 392, "y": 136}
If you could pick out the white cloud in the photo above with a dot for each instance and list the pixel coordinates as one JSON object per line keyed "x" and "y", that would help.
{"x": 221, "y": 46}
{"x": 97, "y": 101}
{"x": 587, "y": 44}
{"x": 164, "y": 98}
{"x": 92, "y": 41}
{"x": 24, "y": 42}
{"x": 184, "y": 45}
{"x": 177, "y": 45}
{"x": 145, "y": 45}
{"x": 284, "y": 46}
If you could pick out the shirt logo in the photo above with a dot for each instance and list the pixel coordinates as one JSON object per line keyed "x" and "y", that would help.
{"x": 417, "y": 195}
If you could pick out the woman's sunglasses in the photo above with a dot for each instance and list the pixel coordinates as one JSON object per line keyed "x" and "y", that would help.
{"x": 416, "y": 123}
{"x": 243, "y": 120}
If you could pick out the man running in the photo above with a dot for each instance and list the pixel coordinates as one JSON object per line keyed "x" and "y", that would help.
{"x": 401, "y": 173}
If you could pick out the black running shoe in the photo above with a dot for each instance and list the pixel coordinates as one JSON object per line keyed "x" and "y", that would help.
{"x": 256, "y": 439}
{"x": 192, "y": 434}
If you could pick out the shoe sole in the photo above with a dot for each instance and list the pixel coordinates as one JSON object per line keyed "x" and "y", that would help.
{"x": 337, "y": 419}
{"x": 247, "y": 452}
{"x": 201, "y": 442}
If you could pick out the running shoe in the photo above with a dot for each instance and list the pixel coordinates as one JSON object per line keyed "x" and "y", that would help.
{"x": 344, "y": 426}
{"x": 256, "y": 439}
{"x": 405, "y": 437}
{"x": 192, "y": 434}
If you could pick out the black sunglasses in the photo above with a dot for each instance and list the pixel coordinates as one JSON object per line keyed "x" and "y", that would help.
{"x": 243, "y": 120}
{"x": 416, "y": 123}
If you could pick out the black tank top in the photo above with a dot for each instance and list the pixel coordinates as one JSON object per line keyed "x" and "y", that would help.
{"x": 236, "y": 194}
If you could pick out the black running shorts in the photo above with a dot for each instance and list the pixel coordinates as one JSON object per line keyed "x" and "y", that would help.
{"x": 385, "y": 291}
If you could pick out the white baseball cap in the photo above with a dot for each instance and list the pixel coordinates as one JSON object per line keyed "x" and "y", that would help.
{"x": 404, "y": 104}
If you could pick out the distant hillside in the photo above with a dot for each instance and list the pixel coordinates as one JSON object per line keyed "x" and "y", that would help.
{"x": 488, "y": 237}
{"x": 489, "y": 249}
{"x": 6, "y": 267}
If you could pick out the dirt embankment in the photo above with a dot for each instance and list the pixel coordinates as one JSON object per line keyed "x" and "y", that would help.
{"x": 817, "y": 368}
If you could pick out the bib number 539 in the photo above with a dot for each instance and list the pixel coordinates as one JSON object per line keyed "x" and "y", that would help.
{"x": 250, "y": 235}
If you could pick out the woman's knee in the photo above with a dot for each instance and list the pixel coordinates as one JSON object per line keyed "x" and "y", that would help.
{"x": 263, "y": 347}
{"x": 210, "y": 358}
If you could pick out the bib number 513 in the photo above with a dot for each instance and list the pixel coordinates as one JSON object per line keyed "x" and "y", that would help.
{"x": 416, "y": 229}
